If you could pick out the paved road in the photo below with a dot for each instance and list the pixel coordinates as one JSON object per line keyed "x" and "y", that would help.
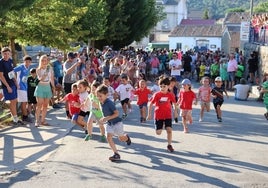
{"x": 228, "y": 154}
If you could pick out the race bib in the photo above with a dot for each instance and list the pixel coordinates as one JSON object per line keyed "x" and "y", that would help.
{"x": 11, "y": 74}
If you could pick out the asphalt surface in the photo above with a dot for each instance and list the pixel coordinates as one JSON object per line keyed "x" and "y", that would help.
{"x": 228, "y": 154}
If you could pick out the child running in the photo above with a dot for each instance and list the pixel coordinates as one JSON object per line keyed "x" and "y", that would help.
{"x": 185, "y": 101}
{"x": 204, "y": 97}
{"x": 73, "y": 101}
{"x": 114, "y": 125}
{"x": 264, "y": 91}
{"x": 83, "y": 94}
{"x": 124, "y": 90}
{"x": 163, "y": 101}
{"x": 95, "y": 113}
{"x": 142, "y": 92}
{"x": 218, "y": 99}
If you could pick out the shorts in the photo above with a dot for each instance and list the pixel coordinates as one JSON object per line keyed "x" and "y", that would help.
{"x": 10, "y": 96}
{"x": 154, "y": 71}
{"x": 162, "y": 123}
{"x": 43, "y": 91}
{"x": 116, "y": 129}
{"x": 125, "y": 101}
{"x": 185, "y": 113}
{"x": 22, "y": 96}
{"x": 206, "y": 104}
{"x": 84, "y": 114}
{"x": 75, "y": 117}
{"x": 231, "y": 76}
{"x": 217, "y": 103}
{"x": 94, "y": 117}
{"x": 178, "y": 77}
{"x": 143, "y": 105}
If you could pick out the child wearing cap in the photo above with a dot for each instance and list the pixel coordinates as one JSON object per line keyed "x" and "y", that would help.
{"x": 185, "y": 101}
{"x": 218, "y": 99}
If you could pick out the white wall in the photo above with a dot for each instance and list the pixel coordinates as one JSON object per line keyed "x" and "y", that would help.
{"x": 190, "y": 42}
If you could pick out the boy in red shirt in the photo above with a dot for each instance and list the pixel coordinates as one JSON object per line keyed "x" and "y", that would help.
{"x": 73, "y": 98}
{"x": 185, "y": 101}
{"x": 142, "y": 93}
{"x": 162, "y": 101}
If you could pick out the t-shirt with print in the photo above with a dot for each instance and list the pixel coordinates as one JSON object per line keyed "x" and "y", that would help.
{"x": 22, "y": 76}
{"x": 124, "y": 91}
{"x": 218, "y": 91}
{"x": 6, "y": 67}
{"x": 163, "y": 105}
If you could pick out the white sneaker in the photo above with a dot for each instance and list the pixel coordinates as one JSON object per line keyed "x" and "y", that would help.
{"x": 129, "y": 110}
{"x": 200, "y": 120}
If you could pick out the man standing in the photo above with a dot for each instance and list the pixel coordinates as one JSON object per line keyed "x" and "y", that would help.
{"x": 9, "y": 83}
{"x": 175, "y": 66}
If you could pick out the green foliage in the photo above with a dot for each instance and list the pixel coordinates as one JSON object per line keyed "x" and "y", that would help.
{"x": 262, "y": 7}
{"x": 236, "y": 10}
{"x": 206, "y": 16}
{"x": 218, "y": 8}
{"x": 7, "y": 5}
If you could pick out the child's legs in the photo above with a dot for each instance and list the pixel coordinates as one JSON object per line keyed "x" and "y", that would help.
{"x": 219, "y": 110}
{"x": 159, "y": 124}
{"x": 202, "y": 110}
{"x": 90, "y": 125}
{"x": 168, "y": 126}
{"x": 183, "y": 114}
{"x": 80, "y": 120}
{"x": 144, "y": 109}
{"x": 111, "y": 142}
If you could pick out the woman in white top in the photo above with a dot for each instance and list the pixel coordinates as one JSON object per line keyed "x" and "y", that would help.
{"x": 242, "y": 90}
{"x": 44, "y": 89}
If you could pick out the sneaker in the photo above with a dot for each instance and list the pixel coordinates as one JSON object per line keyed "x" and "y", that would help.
{"x": 56, "y": 106}
{"x": 170, "y": 148}
{"x": 266, "y": 115}
{"x": 103, "y": 138}
{"x": 124, "y": 116}
{"x": 220, "y": 119}
{"x": 176, "y": 120}
{"x": 200, "y": 120}
{"x": 115, "y": 157}
{"x": 128, "y": 140}
{"x": 88, "y": 137}
{"x": 19, "y": 122}
{"x": 86, "y": 132}
{"x": 28, "y": 120}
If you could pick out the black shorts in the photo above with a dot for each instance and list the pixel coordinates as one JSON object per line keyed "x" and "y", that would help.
{"x": 217, "y": 103}
{"x": 159, "y": 124}
{"x": 32, "y": 100}
{"x": 84, "y": 114}
{"x": 67, "y": 87}
{"x": 125, "y": 101}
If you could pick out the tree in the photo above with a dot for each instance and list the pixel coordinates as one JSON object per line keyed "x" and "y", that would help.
{"x": 130, "y": 20}
{"x": 236, "y": 10}
{"x": 261, "y": 7}
{"x": 7, "y": 5}
{"x": 205, "y": 16}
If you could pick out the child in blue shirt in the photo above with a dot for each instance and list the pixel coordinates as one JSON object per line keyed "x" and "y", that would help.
{"x": 114, "y": 125}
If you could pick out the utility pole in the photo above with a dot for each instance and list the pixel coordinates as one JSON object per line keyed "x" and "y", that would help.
{"x": 251, "y": 8}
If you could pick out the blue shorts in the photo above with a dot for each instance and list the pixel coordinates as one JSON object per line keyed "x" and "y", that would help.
{"x": 10, "y": 96}
{"x": 43, "y": 91}
{"x": 231, "y": 76}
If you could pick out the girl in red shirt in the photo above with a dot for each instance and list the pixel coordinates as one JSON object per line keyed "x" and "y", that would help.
{"x": 185, "y": 102}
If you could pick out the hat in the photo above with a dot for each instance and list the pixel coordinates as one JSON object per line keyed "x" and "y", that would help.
{"x": 218, "y": 79}
{"x": 186, "y": 82}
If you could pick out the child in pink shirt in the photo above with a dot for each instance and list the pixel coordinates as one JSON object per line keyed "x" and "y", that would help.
{"x": 204, "y": 96}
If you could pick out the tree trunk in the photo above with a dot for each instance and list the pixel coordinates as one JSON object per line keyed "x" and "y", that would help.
{"x": 14, "y": 52}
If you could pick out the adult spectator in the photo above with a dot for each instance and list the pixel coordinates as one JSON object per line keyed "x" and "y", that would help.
{"x": 9, "y": 83}
{"x": 253, "y": 63}
{"x": 175, "y": 66}
{"x": 231, "y": 70}
{"x": 187, "y": 68}
{"x": 242, "y": 90}
{"x": 70, "y": 76}
{"x": 154, "y": 65}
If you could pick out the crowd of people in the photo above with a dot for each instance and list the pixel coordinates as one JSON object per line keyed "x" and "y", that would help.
{"x": 90, "y": 84}
{"x": 259, "y": 26}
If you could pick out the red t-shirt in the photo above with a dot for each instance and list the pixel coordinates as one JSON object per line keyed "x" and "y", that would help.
{"x": 163, "y": 105}
{"x": 142, "y": 95}
{"x": 186, "y": 99}
{"x": 71, "y": 100}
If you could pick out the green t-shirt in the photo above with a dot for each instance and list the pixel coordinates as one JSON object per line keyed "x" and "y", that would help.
{"x": 96, "y": 111}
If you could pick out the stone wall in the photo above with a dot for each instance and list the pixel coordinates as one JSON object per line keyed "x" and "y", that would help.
{"x": 263, "y": 57}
